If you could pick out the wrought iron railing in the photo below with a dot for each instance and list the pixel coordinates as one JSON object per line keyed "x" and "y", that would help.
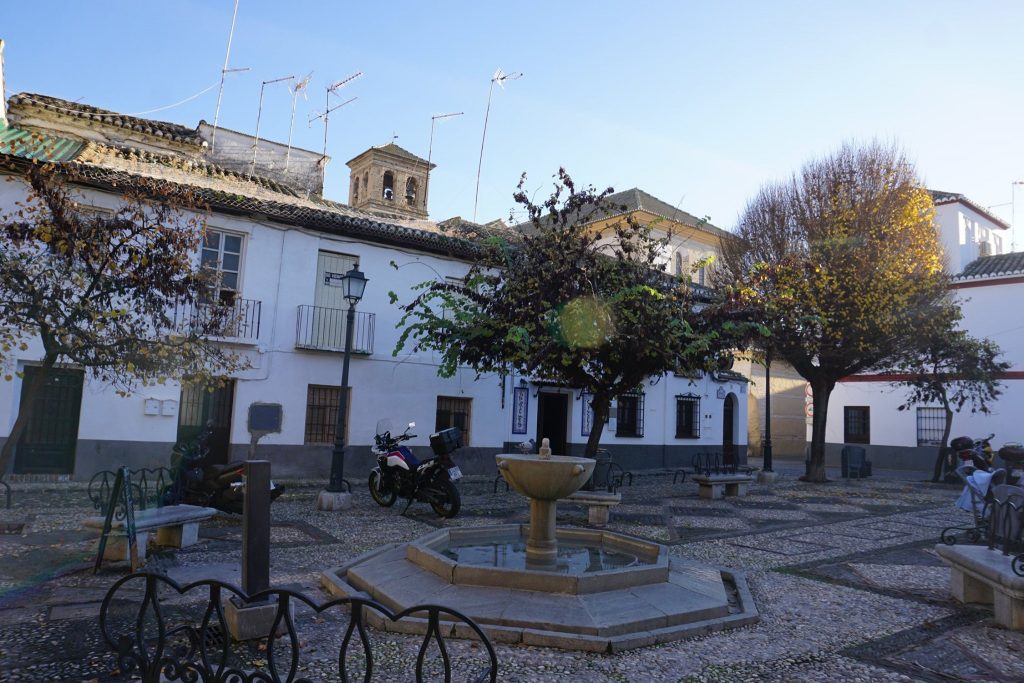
{"x": 160, "y": 632}
{"x": 242, "y": 320}
{"x": 323, "y": 329}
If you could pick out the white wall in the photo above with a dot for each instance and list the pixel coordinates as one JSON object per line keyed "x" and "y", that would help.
{"x": 962, "y": 231}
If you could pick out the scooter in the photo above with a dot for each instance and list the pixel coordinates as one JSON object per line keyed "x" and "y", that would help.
{"x": 399, "y": 473}
{"x": 974, "y": 452}
{"x": 196, "y": 482}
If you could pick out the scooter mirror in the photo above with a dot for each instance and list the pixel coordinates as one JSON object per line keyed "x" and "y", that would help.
{"x": 411, "y": 425}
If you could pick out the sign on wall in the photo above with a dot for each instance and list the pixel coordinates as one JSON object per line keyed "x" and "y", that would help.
{"x": 520, "y": 408}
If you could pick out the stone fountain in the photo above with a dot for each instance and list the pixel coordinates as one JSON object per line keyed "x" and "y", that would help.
{"x": 539, "y": 584}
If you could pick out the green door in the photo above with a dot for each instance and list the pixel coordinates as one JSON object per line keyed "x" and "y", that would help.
{"x": 48, "y": 443}
{"x": 198, "y": 407}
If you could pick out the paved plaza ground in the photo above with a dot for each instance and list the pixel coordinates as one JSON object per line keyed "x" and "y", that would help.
{"x": 844, "y": 576}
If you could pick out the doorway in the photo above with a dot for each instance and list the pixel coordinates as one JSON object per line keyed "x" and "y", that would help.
{"x": 47, "y": 446}
{"x": 552, "y": 420}
{"x": 728, "y": 430}
{"x": 199, "y": 406}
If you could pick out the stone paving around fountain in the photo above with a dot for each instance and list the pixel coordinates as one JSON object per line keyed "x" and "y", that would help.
{"x": 843, "y": 575}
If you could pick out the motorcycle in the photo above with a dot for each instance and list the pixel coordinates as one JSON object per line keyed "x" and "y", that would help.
{"x": 974, "y": 452}
{"x": 399, "y": 473}
{"x": 196, "y": 482}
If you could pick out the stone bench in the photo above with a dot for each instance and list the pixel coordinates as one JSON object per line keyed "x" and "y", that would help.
{"x": 714, "y": 485}
{"x": 175, "y": 525}
{"x": 984, "y": 575}
{"x": 599, "y": 504}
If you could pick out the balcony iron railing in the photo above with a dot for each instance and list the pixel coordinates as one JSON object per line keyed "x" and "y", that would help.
{"x": 242, "y": 321}
{"x": 323, "y": 329}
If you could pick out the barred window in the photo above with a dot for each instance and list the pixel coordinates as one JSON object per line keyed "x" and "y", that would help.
{"x": 454, "y": 412}
{"x": 857, "y": 424}
{"x": 688, "y": 416}
{"x": 630, "y": 415}
{"x": 931, "y": 425}
{"x": 322, "y": 414}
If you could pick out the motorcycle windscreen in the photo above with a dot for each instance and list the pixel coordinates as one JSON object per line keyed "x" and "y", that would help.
{"x": 385, "y": 425}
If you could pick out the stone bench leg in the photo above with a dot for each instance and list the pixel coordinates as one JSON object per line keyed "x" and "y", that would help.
{"x": 966, "y": 588}
{"x": 1009, "y": 611}
{"x": 597, "y": 515}
{"x": 116, "y": 549}
{"x": 179, "y": 536}
{"x": 711, "y": 491}
{"x": 736, "y": 489}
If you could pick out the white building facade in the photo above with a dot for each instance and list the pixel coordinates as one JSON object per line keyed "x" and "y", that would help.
{"x": 989, "y": 286}
{"x": 275, "y": 243}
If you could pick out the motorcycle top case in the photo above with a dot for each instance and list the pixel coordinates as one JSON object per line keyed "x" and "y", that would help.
{"x": 446, "y": 440}
{"x": 962, "y": 443}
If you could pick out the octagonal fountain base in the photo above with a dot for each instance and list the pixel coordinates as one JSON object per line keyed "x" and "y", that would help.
{"x": 606, "y": 592}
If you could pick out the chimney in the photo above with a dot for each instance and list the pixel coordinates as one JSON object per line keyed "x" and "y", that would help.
{"x": 3, "y": 89}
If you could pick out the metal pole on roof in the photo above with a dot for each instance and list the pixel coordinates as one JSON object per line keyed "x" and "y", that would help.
{"x": 223, "y": 73}
{"x": 499, "y": 77}
{"x": 259, "y": 114}
{"x": 1013, "y": 214}
{"x": 299, "y": 87}
{"x": 430, "y": 151}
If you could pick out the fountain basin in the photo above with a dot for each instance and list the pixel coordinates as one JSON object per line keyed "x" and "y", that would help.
{"x": 590, "y": 561}
{"x": 544, "y": 478}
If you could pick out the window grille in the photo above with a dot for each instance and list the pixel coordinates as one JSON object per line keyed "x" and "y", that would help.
{"x": 687, "y": 416}
{"x": 321, "y": 414}
{"x": 857, "y": 424}
{"x": 931, "y": 425}
{"x": 454, "y": 412}
{"x": 630, "y": 415}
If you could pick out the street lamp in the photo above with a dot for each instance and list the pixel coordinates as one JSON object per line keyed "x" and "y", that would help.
{"x": 337, "y": 495}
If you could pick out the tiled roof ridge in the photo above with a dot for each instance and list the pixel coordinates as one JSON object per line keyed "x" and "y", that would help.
{"x": 182, "y": 163}
{"x": 316, "y": 215}
{"x": 162, "y": 129}
{"x": 943, "y": 197}
{"x": 991, "y": 267}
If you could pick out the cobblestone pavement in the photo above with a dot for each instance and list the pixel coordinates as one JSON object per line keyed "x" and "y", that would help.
{"x": 844, "y": 575}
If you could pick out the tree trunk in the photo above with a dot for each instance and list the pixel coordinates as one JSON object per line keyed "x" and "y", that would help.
{"x": 940, "y": 470}
{"x": 821, "y": 389}
{"x": 601, "y": 405}
{"x": 25, "y": 408}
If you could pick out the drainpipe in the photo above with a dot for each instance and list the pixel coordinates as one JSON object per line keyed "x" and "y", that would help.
{"x": 3, "y": 89}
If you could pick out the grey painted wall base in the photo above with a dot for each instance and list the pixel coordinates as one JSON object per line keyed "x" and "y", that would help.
{"x": 909, "y": 458}
{"x": 314, "y": 462}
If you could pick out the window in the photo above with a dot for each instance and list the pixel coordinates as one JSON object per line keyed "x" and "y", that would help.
{"x": 454, "y": 412}
{"x": 687, "y": 416}
{"x": 322, "y": 413}
{"x": 389, "y": 185}
{"x": 857, "y": 424}
{"x": 355, "y": 189}
{"x": 931, "y": 424}
{"x": 410, "y": 191}
{"x": 222, "y": 252}
{"x": 630, "y": 415}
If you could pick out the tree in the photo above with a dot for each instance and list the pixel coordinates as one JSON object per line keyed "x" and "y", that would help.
{"x": 953, "y": 369}
{"x": 118, "y": 293}
{"x": 843, "y": 265}
{"x": 566, "y": 302}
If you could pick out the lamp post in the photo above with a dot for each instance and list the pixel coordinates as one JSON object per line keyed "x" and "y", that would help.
{"x": 338, "y": 494}
{"x": 767, "y": 474}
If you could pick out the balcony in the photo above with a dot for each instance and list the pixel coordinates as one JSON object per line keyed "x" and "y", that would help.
{"x": 323, "y": 329}
{"x": 241, "y": 324}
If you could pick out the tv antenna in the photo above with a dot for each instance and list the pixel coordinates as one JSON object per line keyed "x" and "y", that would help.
{"x": 430, "y": 148}
{"x": 259, "y": 114}
{"x": 499, "y": 77}
{"x": 224, "y": 72}
{"x": 326, "y": 115}
{"x": 300, "y": 87}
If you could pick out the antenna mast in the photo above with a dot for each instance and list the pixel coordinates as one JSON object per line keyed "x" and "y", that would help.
{"x": 430, "y": 149}
{"x": 224, "y": 72}
{"x": 259, "y": 114}
{"x": 299, "y": 87}
{"x": 326, "y": 116}
{"x": 499, "y": 77}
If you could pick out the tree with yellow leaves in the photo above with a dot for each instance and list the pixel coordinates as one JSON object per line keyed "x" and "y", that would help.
{"x": 843, "y": 264}
{"x": 120, "y": 294}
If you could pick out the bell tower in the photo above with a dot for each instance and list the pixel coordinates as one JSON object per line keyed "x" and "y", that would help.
{"x": 389, "y": 180}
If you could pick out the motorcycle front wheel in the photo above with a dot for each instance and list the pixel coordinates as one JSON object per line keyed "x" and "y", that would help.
{"x": 447, "y": 500}
{"x": 385, "y": 497}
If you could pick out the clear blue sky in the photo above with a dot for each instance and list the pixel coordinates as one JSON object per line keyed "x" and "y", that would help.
{"x": 698, "y": 103}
